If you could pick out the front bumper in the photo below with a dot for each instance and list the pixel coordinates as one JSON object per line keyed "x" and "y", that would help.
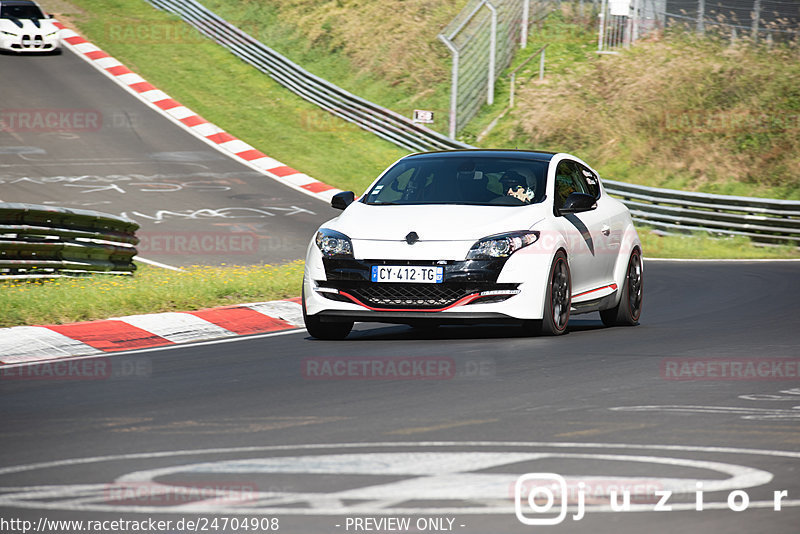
{"x": 504, "y": 290}
{"x": 29, "y": 43}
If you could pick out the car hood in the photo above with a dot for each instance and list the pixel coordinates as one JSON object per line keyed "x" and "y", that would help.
{"x": 433, "y": 222}
{"x": 28, "y": 26}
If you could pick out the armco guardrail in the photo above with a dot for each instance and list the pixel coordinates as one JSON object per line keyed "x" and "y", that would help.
{"x": 381, "y": 121}
{"x": 760, "y": 219}
{"x": 43, "y": 241}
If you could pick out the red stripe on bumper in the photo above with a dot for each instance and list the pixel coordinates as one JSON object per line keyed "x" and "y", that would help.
{"x": 612, "y": 286}
{"x": 459, "y": 302}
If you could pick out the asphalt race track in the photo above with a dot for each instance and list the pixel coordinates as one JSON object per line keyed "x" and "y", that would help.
{"x": 278, "y": 427}
{"x": 73, "y": 138}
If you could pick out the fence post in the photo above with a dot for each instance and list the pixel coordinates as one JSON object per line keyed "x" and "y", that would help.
{"x": 602, "y": 26}
{"x": 541, "y": 65}
{"x": 756, "y": 17}
{"x": 701, "y": 16}
{"x": 453, "y": 86}
{"x": 492, "y": 53}
{"x": 526, "y": 13}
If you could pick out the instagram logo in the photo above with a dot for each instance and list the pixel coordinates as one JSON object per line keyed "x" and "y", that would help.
{"x": 533, "y": 488}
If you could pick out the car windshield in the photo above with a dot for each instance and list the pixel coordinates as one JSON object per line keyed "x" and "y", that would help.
{"x": 20, "y": 11}
{"x": 469, "y": 179}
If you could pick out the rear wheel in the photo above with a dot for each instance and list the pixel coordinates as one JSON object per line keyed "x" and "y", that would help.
{"x": 320, "y": 330}
{"x": 558, "y": 299}
{"x": 629, "y": 308}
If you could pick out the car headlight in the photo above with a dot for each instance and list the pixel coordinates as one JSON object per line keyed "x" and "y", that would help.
{"x": 334, "y": 244}
{"x": 8, "y": 33}
{"x": 501, "y": 245}
{"x": 53, "y": 34}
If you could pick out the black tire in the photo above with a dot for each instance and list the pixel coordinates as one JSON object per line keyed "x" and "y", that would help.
{"x": 558, "y": 299}
{"x": 328, "y": 331}
{"x": 629, "y": 308}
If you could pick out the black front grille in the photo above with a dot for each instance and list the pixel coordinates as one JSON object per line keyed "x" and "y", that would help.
{"x": 411, "y": 296}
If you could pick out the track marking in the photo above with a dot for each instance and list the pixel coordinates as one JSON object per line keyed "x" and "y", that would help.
{"x": 433, "y": 476}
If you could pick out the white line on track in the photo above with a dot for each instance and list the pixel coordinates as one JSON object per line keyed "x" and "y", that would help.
{"x": 158, "y": 264}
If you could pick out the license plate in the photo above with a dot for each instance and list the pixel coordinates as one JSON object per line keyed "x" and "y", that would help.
{"x": 408, "y": 274}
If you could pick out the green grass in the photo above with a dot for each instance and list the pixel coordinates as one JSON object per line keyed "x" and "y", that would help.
{"x": 150, "y": 290}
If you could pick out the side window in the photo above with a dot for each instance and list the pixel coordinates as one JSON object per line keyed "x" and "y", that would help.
{"x": 590, "y": 180}
{"x": 565, "y": 182}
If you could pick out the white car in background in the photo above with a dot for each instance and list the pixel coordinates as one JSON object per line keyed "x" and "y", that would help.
{"x": 25, "y": 28}
{"x": 475, "y": 236}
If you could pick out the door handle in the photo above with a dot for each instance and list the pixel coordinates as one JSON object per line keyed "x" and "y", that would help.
{"x": 606, "y": 230}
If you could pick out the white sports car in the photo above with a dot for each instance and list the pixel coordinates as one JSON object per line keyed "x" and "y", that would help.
{"x": 25, "y": 28}
{"x": 475, "y": 236}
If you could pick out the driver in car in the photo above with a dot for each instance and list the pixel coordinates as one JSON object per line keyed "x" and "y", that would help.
{"x": 515, "y": 185}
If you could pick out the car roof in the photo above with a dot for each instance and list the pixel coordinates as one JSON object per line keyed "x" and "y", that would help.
{"x": 490, "y": 153}
{"x": 17, "y": 2}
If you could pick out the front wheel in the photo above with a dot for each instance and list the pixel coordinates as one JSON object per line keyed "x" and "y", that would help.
{"x": 558, "y": 299}
{"x": 329, "y": 331}
{"x": 629, "y": 308}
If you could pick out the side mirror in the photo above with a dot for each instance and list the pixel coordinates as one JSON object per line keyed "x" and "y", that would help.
{"x": 341, "y": 200}
{"x": 578, "y": 203}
